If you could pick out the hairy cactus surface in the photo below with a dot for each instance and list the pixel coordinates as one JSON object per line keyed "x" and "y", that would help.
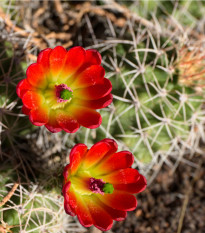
{"x": 152, "y": 113}
{"x": 29, "y": 210}
{"x": 152, "y": 52}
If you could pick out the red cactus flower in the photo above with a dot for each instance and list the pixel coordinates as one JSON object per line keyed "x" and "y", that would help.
{"x": 63, "y": 89}
{"x": 99, "y": 184}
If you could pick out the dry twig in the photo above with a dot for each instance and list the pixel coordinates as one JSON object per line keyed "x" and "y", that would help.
{"x": 9, "y": 195}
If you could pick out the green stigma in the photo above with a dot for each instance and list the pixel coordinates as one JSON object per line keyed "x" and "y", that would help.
{"x": 108, "y": 188}
{"x": 66, "y": 94}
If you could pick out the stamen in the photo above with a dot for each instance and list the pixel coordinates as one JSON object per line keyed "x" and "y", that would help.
{"x": 96, "y": 185}
{"x": 99, "y": 186}
{"x": 63, "y": 93}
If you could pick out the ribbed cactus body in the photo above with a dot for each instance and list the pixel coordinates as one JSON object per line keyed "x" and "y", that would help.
{"x": 28, "y": 209}
{"x": 151, "y": 55}
{"x": 152, "y": 114}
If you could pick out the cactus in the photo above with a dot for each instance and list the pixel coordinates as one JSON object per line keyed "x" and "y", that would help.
{"x": 12, "y": 125}
{"x": 157, "y": 111}
{"x": 150, "y": 109}
{"x": 29, "y": 210}
{"x": 191, "y": 62}
{"x": 153, "y": 113}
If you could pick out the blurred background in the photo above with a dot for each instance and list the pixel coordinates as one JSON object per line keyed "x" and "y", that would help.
{"x": 154, "y": 55}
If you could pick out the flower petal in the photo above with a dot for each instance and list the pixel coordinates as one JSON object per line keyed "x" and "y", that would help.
{"x": 113, "y": 145}
{"x": 74, "y": 59}
{"x": 57, "y": 60}
{"x": 68, "y": 209}
{"x": 86, "y": 117}
{"x": 43, "y": 58}
{"x": 66, "y": 172}
{"x": 70, "y": 202}
{"x": 83, "y": 213}
{"x": 119, "y": 200}
{"x": 93, "y": 57}
{"x": 81, "y": 184}
{"x": 36, "y": 75}
{"x": 95, "y": 104}
{"x": 67, "y": 122}
{"x": 76, "y": 155}
{"x": 90, "y": 76}
{"x": 94, "y": 92}
{"x": 122, "y": 176}
{"x": 120, "y": 160}
{"x": 101, "y": 219}
{"x": 32, "y": 100}
{"x": 137, "y": 187}
{"x": 74, "y": 204}
{"x": 117, "y": 215}
{"x": 25, "y": 110}
{"x": 22, "y": 87}
{"x": 39, "y": 116}
{"x": 52, "y": 124}
{"x": 95, "y": 154}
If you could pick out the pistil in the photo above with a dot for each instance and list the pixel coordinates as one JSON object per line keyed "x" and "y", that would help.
{"x": 99, "y": 186}
{"x": 63, "y": 93}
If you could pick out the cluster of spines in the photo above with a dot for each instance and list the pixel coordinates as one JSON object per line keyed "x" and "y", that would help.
{"x": 154, "y": 115}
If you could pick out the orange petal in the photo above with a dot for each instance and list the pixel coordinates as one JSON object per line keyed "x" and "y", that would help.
{"x": 94, "y": 92}
{"x": 22, "y": 87}
{"x": 101, "y": 219}
{"x": 117, "y": 215}
{"x": 43, "y": 58}
{"x": 89, "y": 77}
{"x": 93, "y": 57}
{"x": 25, "y": 110}
{"x": 122, "y": 176}
{"x": 86, "y": 117}
{"x": 136, "y": 187}
{"x": 36, "y": 75}
{"x": 76, "y": 156}
{"x": 116, "y": 161}
{"x": 66, "y": 172}
{"x": 70, "y": 202}
{"x": 119, "y": 200}
{"x": 95, "y": 104}
{"x": 52, "y": 124}
{"x": 96, "y": 153}
{"x": 83, "y": 213}
{"x": 57, "y": 60}
{"x": 39, "y": 116}
{"x": 74, "y": 59}
{"x": 32, "y": 100}
{"x": 67, "y": 122}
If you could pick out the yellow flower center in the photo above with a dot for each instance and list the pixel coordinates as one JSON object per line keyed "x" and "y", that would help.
{"x": 58, "y": 95}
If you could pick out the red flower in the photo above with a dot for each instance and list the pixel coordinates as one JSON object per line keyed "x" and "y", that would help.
{"x": 64, "y": 88}
{"x": 99, "y": 184}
